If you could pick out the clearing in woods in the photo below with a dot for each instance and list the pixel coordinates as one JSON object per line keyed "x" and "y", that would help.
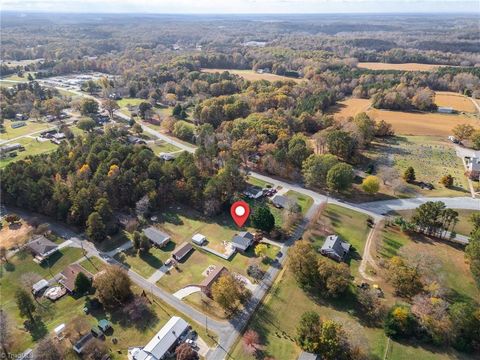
{"x": 253, "y": 75}
{"x": 349, "y": 107}
{"x": 400, "y": 67}
{"x": 456, "y": 101}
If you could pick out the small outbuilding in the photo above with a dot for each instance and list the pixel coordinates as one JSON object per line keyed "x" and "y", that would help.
{"x": 335, "y": 248}
{"x": 445, "y": 110}
{"x": 182, "y": 251}
{"x": 157, "y": 237}
{"x": 199, "y": 239}
{"x": 39, "y": 286}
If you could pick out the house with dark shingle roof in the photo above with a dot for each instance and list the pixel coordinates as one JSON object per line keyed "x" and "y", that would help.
{"x": 281, "y": 202}
{"x": 335, "y": 248}
{"x": 41, "y": 247}
{"x": 243, "y": 240}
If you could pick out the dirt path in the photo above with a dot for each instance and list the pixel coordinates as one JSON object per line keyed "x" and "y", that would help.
{"x": 367, "y": 256}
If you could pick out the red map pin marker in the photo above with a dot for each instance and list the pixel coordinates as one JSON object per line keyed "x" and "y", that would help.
{"x": 240, "y": 211}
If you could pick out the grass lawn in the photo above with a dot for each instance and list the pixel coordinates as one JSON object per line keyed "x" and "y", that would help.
{"x": 257, "y": 182}
{"x": 146, "y": 264}
{"x": 439, "y": 260}
{"x": 350, "y": 225}
{"x": 276, "y": 321}
{"x": 304, "y": 201}
{"x": 161, "y": 146}
{"x": 190, "y": 270}
{"x": 30, "y": 127}
{"x": 464, "y": 226}
{"x": 32, "y": 147}
{"x": 11, "y": 276}
{"x": 93, "y": 264}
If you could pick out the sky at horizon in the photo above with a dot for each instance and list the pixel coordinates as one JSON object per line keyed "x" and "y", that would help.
{"x": 241, "y": 6}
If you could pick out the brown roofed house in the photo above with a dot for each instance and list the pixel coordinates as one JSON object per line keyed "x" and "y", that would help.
{"x": 69, "y": 275}
{"x": 182, "y": 251}
{"x": 212, "y": 277}
{"x": 41, "y": 247}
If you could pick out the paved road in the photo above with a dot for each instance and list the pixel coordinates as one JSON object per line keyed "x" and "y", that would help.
{"x": 385, "y": 206}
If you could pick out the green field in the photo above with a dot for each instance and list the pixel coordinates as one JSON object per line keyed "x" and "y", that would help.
{"x": 430, "y": 156}
{"x": 32, "y": 147}
{"x": 93, "y": 264}
{"x": 257, "y": 182}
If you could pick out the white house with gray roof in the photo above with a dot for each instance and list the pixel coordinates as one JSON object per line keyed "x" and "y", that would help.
{"x": 335, "y": 248}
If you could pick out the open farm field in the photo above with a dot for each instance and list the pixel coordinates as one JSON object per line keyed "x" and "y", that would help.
{"x": 433, "y": 124}
{"x": 456, "y": 101}
{"x": 400, "y": 67}
{"x": 253, "y": 75}
{"x": 414, "y": 123}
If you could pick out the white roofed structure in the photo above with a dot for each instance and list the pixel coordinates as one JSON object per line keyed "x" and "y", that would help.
{"x": 162, "y": 342}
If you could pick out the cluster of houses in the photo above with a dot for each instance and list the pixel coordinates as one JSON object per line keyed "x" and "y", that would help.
{"x": 42, "y": 249}
{"x": 277, "y": 200}
{"x": 240, "y": 242}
